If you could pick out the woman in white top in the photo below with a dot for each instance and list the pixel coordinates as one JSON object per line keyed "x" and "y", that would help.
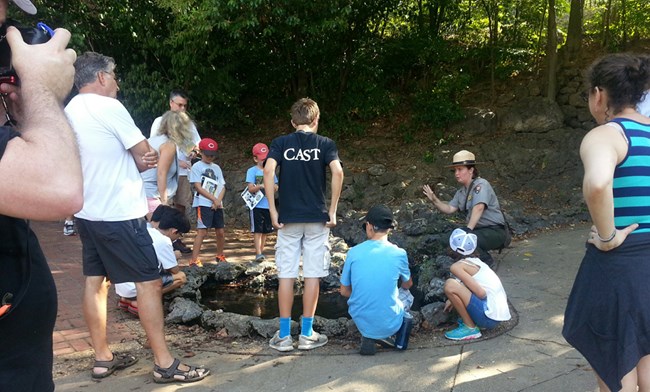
{"x": 161, "y": 182}
{"x": 476, "y": 294}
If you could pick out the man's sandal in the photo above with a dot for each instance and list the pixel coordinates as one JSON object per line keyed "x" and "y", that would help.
{"x": 119, "y": 361}
{"x": 174, "y": 374}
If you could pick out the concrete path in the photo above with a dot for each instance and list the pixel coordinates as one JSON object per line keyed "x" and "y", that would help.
{"x": 533, "y": 357}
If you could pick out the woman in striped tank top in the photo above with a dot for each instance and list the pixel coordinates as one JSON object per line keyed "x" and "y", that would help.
{"x": 607, "y": 317}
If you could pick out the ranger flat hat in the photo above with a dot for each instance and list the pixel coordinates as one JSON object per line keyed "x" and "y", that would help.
{"x": 463, "y": 158}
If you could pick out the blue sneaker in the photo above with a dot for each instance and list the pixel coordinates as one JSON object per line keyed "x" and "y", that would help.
{"x": 463, "y": 332}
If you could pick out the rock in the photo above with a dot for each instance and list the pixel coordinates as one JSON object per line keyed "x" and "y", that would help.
{"x": 227, "y": 272}
{"x": 434, "y": 314}
{"x": 330, "y": 327}
{"x": 436, "y": 291}
{"x": 253, "y": 268}
{"x": 236, "y": 324}
{"x": 477, "y": 121}
{"x": 182, "y": 311}
{"x": 267, "y": 328}
{"x": 531, "y": 114}
{"x": 377, "y": 170}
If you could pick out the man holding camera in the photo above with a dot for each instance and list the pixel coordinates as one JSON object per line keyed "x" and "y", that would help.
{"x": 33, "y": 188}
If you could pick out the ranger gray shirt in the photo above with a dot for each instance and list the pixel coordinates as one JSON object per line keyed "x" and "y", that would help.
{"x": 481, "y": 192}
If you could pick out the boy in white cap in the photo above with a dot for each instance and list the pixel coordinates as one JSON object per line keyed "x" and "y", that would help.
{"x": 476, "y": 294}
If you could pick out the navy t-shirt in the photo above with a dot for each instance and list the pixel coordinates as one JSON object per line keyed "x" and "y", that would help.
{"x": 303, "y": 158}
{"x": 26, "y": 332}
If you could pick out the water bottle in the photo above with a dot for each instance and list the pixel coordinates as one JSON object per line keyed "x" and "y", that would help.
{"x": 402, "y": 335}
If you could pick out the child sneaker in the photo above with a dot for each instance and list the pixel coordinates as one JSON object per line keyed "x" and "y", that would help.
{"x": 463, "y": 332}
{"x": 196, "y": 262}
{"x": 388, "y": 342}
{"x": 284, "y": 344}
{"x": 309, "y": 342}
{"x": 221, "y": 259}
{"x": 68, "y": 228}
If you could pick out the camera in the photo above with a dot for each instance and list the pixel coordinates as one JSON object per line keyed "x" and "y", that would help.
{"x": 31, "y": 35}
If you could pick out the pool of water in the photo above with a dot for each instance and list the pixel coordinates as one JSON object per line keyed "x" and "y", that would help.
{"x": 331, "y": 305}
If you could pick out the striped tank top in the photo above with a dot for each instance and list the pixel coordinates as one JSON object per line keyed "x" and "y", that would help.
{"x": 632, "y": 178}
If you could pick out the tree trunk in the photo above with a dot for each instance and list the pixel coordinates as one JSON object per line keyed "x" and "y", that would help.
{"x": 607, "y": 19}
{"x": 624, "y": 23}
{"x": 574, "y": 32}
{"x": 551, "y": 52}
{"x": 492, "y": 12}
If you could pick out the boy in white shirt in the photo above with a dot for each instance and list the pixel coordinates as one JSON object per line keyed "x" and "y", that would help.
{"x": 207, "y": 180}
{"x": 168, "y": 224}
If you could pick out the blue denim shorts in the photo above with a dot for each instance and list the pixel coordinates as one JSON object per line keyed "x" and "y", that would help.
{"x": 476, "y": 310}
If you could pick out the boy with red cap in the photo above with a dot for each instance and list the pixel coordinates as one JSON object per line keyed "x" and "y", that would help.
{"x": 207, "y": 179}
{"x": 259, "y": 213}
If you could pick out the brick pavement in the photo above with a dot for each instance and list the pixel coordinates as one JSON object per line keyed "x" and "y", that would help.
{"x": 64, "y": 258}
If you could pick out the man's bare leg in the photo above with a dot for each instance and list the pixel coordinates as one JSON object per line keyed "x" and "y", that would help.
{"x": 94, "y": 309}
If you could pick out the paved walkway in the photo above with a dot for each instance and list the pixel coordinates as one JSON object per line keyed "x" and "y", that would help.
{"x": 533, "y": 357}
{"x": 64, "y": 257}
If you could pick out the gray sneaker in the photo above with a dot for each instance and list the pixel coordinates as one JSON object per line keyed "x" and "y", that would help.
{"x": 284, "y": 344}
{"x": 309, "y": 342}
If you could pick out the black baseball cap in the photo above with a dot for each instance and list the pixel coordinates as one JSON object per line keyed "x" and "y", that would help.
{"x": 380, "y": 216}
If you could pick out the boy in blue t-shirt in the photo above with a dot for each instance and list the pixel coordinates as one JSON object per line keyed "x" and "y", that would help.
{"x": 207, "y": 179}
{"x": 259, "y": 214}
{"x": 370, "y": 277}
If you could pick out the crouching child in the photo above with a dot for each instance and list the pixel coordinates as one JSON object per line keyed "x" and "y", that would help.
{"x": 476, "y": 292}
{"x": 167, "y": 225}
{"x": 372, "y": 272}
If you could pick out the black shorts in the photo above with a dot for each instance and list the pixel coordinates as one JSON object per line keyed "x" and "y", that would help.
{"x": 261, "y": 221}
{"x": 207, "y": 218}
{"x": 122, "y": 251}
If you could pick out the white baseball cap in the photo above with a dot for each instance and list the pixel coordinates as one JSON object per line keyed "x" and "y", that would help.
{"x": 462, "y": 242}
{"x": 26, "y": 6}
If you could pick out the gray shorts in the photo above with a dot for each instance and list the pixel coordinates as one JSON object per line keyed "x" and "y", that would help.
{"x": 310, "y": 239}
{"x": 121, "y": 251}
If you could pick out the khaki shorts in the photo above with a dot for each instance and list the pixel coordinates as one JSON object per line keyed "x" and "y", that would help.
{"x": 310, "y": 239}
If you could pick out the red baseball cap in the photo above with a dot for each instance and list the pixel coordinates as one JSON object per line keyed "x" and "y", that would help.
{"x": 261, "y": 151}
{"x": 208, "y": 146}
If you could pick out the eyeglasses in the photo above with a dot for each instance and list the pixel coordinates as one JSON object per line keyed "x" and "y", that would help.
{"x": 180, "y": 105}
{"x": 113, "y": 75}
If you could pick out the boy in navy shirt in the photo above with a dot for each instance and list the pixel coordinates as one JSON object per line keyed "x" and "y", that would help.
{"x": 303, "y": 222}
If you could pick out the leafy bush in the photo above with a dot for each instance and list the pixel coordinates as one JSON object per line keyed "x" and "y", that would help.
{"x": 439, "y": 106}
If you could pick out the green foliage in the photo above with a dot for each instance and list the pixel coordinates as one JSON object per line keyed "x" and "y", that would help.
{"x": 436, "y": 108}
{"x": 245, "y": 61}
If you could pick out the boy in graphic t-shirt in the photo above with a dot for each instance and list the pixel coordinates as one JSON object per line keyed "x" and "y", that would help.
{"x": 303, "y": 221}
{"x": 260, "y": 215}
{"x": 207, "y": 179}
